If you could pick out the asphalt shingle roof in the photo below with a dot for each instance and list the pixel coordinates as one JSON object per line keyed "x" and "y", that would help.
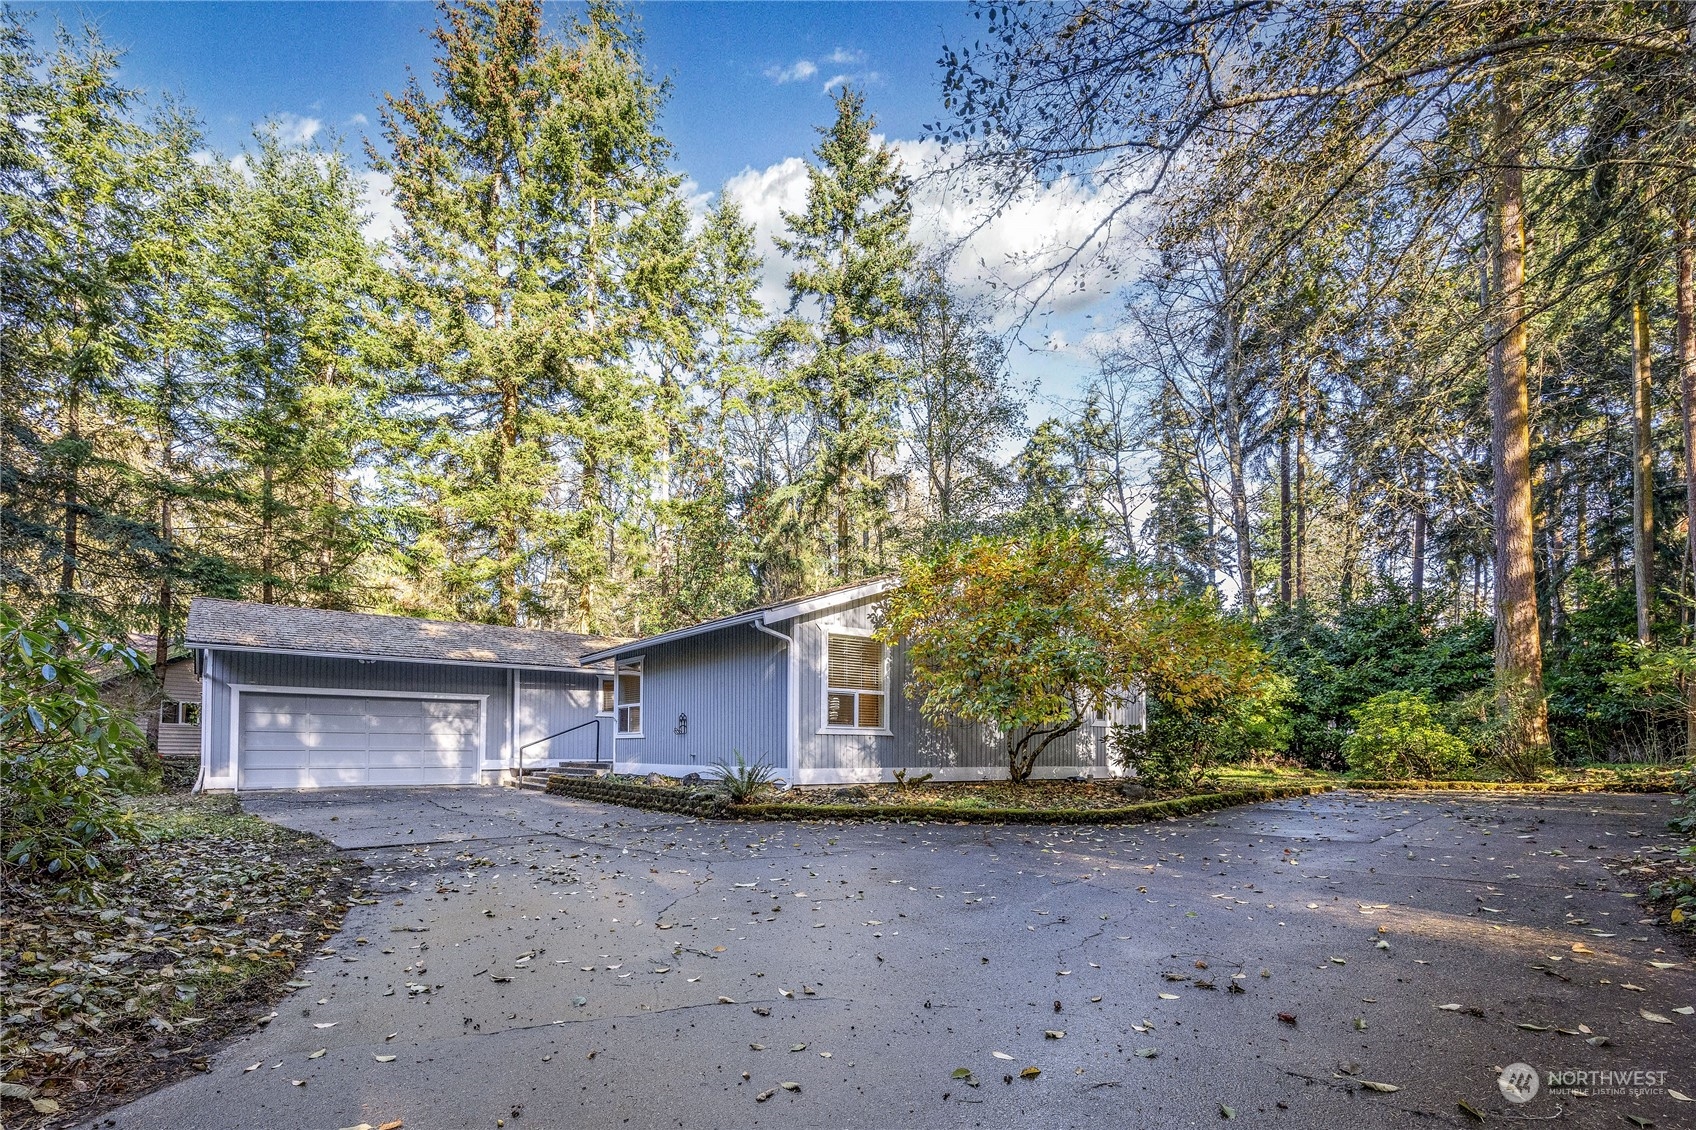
{"x": 277, "y": 627}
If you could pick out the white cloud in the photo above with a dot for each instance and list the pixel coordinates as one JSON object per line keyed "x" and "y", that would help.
{"x": 1006, "y": 258}
{"x": 359, "y": 120}
{"x": 764, "y": 195}
{"x": 799, "y": 71}
{"x": 382, "y": 219}
{"x": 295, "y": 129}
{"x": 843, "y": 57}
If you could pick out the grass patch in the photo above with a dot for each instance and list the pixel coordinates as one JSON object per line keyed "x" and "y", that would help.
{"x": 132, "y": 981}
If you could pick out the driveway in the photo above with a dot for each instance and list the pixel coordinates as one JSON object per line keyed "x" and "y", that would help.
{"x": 550, "y": 963}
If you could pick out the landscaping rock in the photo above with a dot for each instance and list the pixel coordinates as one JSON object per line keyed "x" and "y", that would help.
{"x": 1133, "y": 791}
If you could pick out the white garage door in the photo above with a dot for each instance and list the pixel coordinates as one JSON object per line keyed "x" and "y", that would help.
{"x": 319, "y": 741}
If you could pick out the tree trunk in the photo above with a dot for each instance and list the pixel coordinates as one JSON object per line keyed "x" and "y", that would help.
{"x": 1285, "y": 564}
{"x": 71, "y": 499}
{"x": 1642, "y": 467}
{"x": 1301, "y": 516}
{"x": 162, "y": 643}
{"x": 267, "y": 524}
{"x": 1686, "y": 303}
{"x": 1240, "y": 528}
{"x": 1519, "y": 645}
{"x": 1421, "y": 524}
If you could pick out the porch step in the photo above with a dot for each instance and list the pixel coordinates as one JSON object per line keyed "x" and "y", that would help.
{"x": 536, "y": 780}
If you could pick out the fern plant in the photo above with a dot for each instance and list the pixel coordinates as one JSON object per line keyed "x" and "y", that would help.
{"x": 744, "y": 783}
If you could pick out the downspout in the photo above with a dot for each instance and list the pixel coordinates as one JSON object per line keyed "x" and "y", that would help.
{"x": 792, "y": 696}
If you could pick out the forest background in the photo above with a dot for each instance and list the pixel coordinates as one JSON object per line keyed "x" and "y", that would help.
{"x": 1403, "y": 372}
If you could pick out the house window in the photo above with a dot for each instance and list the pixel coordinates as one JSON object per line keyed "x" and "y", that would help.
{"x": 627, "y": 701}
{"x": 183, "y": 713}
{"x": 608, "y": 698}
{"x": 856, "y": 689}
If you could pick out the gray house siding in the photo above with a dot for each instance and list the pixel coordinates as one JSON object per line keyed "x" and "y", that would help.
{"x": 960, "y": 751}
{"x": 552, "y": 701}
{"x": 224, "y": 669}
{"x": 731, "y": 686}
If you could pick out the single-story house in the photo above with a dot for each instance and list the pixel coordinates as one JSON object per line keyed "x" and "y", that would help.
{"x": 164, "y": 701}
{"x": 803, "y": 686}
{"x": 300, "y": 698}
{"x": 303, "y": 698}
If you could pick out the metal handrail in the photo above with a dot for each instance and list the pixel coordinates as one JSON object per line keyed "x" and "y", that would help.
{"x": 595, "y": 722}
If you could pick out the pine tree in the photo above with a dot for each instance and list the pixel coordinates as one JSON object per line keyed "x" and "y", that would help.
{"x": 840, "y": 341}
{"x": 291, "y": 308}
{"x": 535, "y": 271}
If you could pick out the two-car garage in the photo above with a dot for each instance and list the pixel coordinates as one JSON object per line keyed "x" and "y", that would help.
{"x": 317, "y": 741}
{"x": 308, "y": 698}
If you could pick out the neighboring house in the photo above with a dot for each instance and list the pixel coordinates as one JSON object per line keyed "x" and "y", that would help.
{"x": 301, "y": 698}
{"x": 164, "y": 702}
{"x": 804, "y": 687}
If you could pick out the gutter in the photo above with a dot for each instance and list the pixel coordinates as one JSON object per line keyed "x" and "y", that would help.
{"x": 792, "y": 694}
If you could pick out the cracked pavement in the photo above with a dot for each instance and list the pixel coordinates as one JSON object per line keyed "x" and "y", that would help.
{"x": 545, "y": 962}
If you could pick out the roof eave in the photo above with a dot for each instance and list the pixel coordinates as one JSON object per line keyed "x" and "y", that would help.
{"x": 668, "y": 637}
{"x": 582, "y": 665}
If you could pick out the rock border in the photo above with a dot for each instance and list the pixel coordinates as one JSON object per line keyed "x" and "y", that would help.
{"x": 674, "y": 800}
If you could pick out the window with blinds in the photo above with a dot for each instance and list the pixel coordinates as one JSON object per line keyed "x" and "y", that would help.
{"x": 627, "y": 701}
{"x": 855, "y": 688}
{"x": 608, "y": 700}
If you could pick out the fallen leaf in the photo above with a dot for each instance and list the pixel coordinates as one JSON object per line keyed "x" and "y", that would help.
{"x": 1054, "y": 1034}
{"x": 764, "y": 1095}
{"x": 962, "y": 1073}
{"x": 1471, "y": 1111}
{"x": 1030, "y": 1073}
{"x": 725, "y": 1000}
{"x": 1680, "y": 1096}
{"x": 1226, "y": 1112}
{"x": 1534, "y": 1027}
{"x": 331, "y": 1024}
{"x": 1001, "y": 1055}
{"x": 1653, "y": 1017}
{"x": 1384, "y": 1088}
{"x": 798, "y": 1047}
{"x": 317, "y": 1053}
{"x": 395, "y": 1125}
{"x": 384, "y": 1058}
{"x": 796, "y": 1087}
{"x": 1685, "y": 1010}
{"x": 1287, "y": 1017}
{"x": 44, "y": 1106}
{"x": 1451, "y": 1007}
{"x": 1146, "y": 1053}
{"x": 1168, "y": 996}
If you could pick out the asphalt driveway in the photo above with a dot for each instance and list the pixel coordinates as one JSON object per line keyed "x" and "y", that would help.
{"x": 541, "y": 962}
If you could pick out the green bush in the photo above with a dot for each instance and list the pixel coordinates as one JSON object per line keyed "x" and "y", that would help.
{"x": 1184, "y": 746}
{"x": 63, "y": 748}
{"x": 743, "y": 783}
{"x": 1397, "y": 735}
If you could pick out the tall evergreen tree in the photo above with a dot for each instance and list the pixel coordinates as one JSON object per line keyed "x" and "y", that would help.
{"x": 840, "y": 342}
{"x": 538, "y": 255}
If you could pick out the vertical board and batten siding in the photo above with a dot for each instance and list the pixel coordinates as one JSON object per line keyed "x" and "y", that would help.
{"x": 269, "y": 669}
{"x": 180, "y": 684}
{"x": 731, "y": 685}
{"x": 957, "y": 751}
{"x": 552, "y": 701}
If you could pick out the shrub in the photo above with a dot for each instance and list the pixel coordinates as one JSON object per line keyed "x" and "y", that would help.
{"x": 743, "y": 783}
{"x": 1397, "y": 735}
{"x": 63, "y": 748}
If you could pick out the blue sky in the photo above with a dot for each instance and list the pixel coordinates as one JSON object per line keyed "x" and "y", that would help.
{"x": 748, "y": 89}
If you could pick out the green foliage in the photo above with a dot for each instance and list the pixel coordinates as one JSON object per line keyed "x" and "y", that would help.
{"x": 1184, "y": 748}
{"x": 1397, "y": 735}
{"x": 840, "y": 341}
{"x": 63, "y": 747}
{"x": 1031, "y": 635}
{"x": 743, "y": 783}
{"x": 1369, "y": 647}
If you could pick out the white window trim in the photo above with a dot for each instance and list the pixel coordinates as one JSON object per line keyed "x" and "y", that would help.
{"x": 233, "y": 781}
{"x": 825, "y": 727}
{"x": 642, "y": 686}
{"x": 601, "y": 696}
